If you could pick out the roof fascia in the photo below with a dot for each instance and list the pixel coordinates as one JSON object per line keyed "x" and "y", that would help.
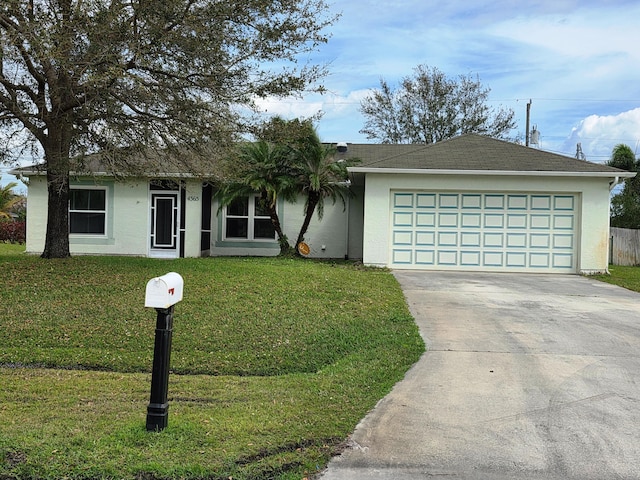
{"x": 43, "y": 172}
{"x": 508, "y": 173}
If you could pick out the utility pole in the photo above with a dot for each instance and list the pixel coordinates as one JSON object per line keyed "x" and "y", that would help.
{"x": 527, "y": 127}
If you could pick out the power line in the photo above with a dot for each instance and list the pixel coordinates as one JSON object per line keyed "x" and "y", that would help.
{"x": 569, "y": 100}
{"x": 357, "y": 102}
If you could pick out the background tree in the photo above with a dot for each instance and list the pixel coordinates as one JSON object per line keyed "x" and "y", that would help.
{"x": 147, "y": 83}
{"x": 429, "y": 107}
{"x": 290, "y": 133}
{"x": 13, "y": 210}
{"x": 8, "y": 200}
{"x": 625, "y": 205}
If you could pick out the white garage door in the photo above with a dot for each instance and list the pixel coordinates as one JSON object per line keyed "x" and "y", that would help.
{"x": 484, "y": 231}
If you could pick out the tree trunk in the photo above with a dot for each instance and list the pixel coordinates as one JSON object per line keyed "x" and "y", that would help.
{"x": 56, "y": 142}
{"x": 57, "y": 237}
{"x": 283, "y": 241}
{"x": 314, "y": 198}
{"x": 57, "y": 151}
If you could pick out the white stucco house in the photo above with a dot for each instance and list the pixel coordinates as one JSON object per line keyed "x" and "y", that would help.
{"x": 470, "y": 203}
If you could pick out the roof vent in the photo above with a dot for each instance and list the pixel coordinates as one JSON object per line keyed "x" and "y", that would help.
{"x": 342, "y": 147}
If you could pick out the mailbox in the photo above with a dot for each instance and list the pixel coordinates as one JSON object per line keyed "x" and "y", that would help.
{"x": 162, "y": 294}
{"x": 164, "y": 291}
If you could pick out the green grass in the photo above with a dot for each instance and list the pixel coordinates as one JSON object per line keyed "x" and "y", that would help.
{"x": 274, "y": 362}
{"x": 627, "y": 277}
{"x": 11, "y": 248}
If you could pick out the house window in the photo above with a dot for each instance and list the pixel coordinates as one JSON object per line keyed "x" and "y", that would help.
{"x": 247, "y": 219}
{"x": 87, "y": 211}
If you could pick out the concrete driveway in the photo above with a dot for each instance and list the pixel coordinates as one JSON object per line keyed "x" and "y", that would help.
{"x": 526, "y": 377}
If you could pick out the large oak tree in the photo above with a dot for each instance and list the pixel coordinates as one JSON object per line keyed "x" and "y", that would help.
{"x": 429, "y": 107}
{"x": 147, "y": 83}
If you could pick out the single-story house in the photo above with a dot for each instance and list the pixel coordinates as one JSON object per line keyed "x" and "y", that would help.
{"x": 468, "y": 203}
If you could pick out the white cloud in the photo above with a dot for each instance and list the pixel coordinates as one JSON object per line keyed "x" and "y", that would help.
{"x": 584, "y": 33}
{"x": 342, "y": 121}
{"x": 598, "y": 134}
{"x": 289, "y": 108}
{"x": 337, "y": 102}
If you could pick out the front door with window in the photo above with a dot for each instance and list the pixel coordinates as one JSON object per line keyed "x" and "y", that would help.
{"x": 165, "y": 217}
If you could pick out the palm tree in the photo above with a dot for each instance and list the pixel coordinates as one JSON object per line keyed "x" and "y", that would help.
{"x": 264, "y": 169}
{"x": 321, "y": 176}
{"x": 625, "y": 205}
{"x": 8, "y": 199}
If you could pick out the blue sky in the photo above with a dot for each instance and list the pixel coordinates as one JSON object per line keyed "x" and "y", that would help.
{"x": 577, "y": 61}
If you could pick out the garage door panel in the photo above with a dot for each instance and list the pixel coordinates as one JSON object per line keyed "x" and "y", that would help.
{"x": 562, "y": 202}
{"x": 426, "y": 200}
{"x": 492, "y": 259}
{"x": 402, "y": 238}
{"x": 516, "y": 240}
{"x": 425, "y": 219}
{"x": 447, "y": 257}
{"x": 493, "y": 220}
{"x": 539, "y": 260}
{"x": 563, "y": 242}
{"x": 517, "y": 202}
{"x": 516, "y": 259}
{"x": 517, "y": 220}
{"x": 472, "y": 201}
{"x": 425, "y": 257}
{"x": 425, "y": 238}
{"x": 561, "y": 260}
{"x": 493, "y": 201}
{"x": 540, "y": 202}
{"x": 493, "y": 239}
{"x": 471, "y": 220}
{"x": 470, "y": 258}
{"x": 448, "y": 220}
{"x": 448, "y": 200}
{"x": 541, "y": 222}
{"x": 402, "y": 256}
{"x": 403, "y": 200}
{"x": 470, "y": 239}
{"x": 484, "y": 231}
{"x": 447, "y": 239}
{"x": 563, "y": 222}
{"x": 540, "y": 240}
{"x": 403, "y": 219}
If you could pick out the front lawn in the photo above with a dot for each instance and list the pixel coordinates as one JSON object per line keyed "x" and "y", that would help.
{"x": 274, "y": 362}
{"x": 627, "y": 277}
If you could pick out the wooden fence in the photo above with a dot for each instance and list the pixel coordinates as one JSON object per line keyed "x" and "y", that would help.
{"x": 624, "y": 246}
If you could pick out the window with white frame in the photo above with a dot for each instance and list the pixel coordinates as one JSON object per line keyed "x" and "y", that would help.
{"x": 246, "y": 218}
{"x": 87, "y": 211}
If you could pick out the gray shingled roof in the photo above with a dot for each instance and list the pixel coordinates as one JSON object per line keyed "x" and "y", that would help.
{"x": 469, "y": 152}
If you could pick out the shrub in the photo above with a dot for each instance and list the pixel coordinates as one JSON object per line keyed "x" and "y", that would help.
{"x": 13, "y": 231}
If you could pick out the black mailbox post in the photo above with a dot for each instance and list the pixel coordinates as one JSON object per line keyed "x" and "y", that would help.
{"x": 162, "y": 293}
{"x": 158, "y": 409}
